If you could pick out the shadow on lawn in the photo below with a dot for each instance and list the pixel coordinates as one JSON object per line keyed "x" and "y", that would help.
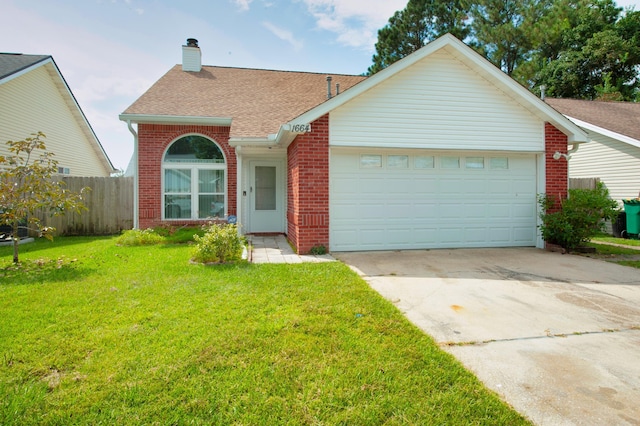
{"x": 40, "y": 271}
{"x": 44, "y": 244}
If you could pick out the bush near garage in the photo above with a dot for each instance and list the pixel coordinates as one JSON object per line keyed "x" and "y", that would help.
{"x": 581, "y": 216}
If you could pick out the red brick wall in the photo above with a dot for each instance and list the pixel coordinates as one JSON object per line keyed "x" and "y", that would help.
{"x": 556, "y": 170}
{"x": 308, "y": 188}
{"x": 153, "y": 140}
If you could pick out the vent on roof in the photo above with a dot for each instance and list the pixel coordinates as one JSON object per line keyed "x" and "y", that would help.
{"x": 191, "y": 56}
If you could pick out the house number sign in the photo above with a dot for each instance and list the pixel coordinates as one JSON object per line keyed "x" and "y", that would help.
{"x": 300, "y": 128}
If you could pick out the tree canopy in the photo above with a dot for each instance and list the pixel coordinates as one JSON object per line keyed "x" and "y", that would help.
{"x": 584, "y": 49}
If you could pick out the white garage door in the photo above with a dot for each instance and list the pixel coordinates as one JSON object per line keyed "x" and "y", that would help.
{"x": 394, "y": 200}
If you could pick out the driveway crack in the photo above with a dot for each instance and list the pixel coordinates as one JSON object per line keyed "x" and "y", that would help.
{"x": 547, "y": 335}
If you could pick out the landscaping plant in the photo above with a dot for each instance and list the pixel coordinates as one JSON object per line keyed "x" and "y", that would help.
{"x": 139, "y": 237}
{"x": 27, "y": 187}
{"x": 579, "y": 218}
{"x": 219, "y": 244}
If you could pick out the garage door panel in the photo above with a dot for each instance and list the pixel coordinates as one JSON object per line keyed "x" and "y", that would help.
{"x": 522, "y": 211}
{"x": 500, "y": 235}
{"x": 523, "y": 234}
{"x": 499, "y": 211}
{"x": 499, "y": 186}
{"x": 379, "y": 209}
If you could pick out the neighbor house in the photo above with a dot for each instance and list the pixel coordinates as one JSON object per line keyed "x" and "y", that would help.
{"x": 613, "y": 155}
{"x": 440, "y": 149}
{"x": 34, "y": 96}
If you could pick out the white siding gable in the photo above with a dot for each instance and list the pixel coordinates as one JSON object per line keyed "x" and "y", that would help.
{"x": 32, "y": 102}
{"x": 437, "y": 103}
{"x": 616, "y": 163}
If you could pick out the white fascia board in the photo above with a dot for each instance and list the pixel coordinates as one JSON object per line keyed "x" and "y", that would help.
{"x": 520, "y": 94}
{"x": 175, "y": 119}
{"x": 611, "y": 134}
{"x": 251, "y": 141}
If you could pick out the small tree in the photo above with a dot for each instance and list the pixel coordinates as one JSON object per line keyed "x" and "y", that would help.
{"x": 581, "y": 216}
{"x": 27, "y": 187}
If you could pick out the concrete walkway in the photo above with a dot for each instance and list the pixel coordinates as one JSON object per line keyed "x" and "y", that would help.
{"x": 276, "y": 249}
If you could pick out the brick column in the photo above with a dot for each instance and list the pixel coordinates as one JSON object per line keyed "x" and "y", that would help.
{"x": 557, "y": 178}
{"x": 308, "y": 188}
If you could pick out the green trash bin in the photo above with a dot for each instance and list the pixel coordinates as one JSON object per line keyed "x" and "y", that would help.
{"x": 632, "y": 209}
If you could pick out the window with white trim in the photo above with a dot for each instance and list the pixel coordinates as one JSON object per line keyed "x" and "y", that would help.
{"x": 193, "y": 179}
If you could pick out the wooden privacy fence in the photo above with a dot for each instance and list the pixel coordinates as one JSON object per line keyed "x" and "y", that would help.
{"x": 110, "y": 204}
{"x": 583, "y": 183}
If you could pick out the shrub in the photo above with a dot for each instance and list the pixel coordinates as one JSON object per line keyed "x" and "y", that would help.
{"x": 318, "y": 250}
{"x": 219, "y": 244}
{"x": 580, "y": 217}
{"x": 139, "y": 237}
{"x": 178, "y": 234}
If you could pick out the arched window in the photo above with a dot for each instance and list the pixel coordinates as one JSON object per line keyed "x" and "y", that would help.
{"x": 194, "y": 179}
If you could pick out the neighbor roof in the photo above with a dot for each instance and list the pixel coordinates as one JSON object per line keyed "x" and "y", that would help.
{"x": 11, "y": 63}
{"x": 257, "y": 101}
{"x": 618, "y": 117}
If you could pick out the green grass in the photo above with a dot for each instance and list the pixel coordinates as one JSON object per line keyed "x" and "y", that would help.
{"x": 103, "y": 334}
{"x": 623, "y": 241}
{"x": 626, "y": 256}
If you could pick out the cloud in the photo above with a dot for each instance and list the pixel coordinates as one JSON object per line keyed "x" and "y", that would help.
{"x": 285, "y": 35}
{"x": 355, "y": 22}
{"x": 243, "y": 4}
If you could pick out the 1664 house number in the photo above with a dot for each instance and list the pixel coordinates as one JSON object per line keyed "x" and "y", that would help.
{"x": 301, "y": 128}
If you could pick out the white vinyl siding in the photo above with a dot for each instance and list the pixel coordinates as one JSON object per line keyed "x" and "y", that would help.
{"x": 437, "y": 103}
{"x": 616, "y": 163}
{"x": 32, "y": 102}
{"x": 387, "y": 208}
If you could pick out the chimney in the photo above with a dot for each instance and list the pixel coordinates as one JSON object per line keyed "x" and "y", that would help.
{"x": 191, "y": 56}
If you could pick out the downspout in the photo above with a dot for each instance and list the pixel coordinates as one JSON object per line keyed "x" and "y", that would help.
{"x": 136, "y": 222}
{"x": 574, "y": 148}
{"x": 239, "y": 184}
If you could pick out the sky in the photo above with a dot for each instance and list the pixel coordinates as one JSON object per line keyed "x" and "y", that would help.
{"x": 111, "y": 51}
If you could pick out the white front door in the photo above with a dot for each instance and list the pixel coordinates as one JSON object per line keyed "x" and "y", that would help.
{"x": 266, "y": 196}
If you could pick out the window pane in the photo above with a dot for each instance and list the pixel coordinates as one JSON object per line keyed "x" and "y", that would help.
{"x": 177, "y": 180}
{"x": 177, "y": 206}
{"x": 265, "y": 188}
{"x": 369, "y": 161}
{"x": 398, "y": 161}
{"x": 194, "y": 149}
{"x": 499, "y": 163}
{"x": 423, "y": 162}
{"x": 474, "y": 162}
{"x": 211, "y": 181}
{"x": 450, "y": 162}
{"x": 211, "y": 206}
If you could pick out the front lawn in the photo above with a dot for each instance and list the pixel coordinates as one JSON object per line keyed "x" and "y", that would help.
{"x": 93, "y": 333}
{"x": 617, "y": 250}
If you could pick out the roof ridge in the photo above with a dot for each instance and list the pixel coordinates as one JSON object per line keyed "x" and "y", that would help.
{"x": 280, "y": 71}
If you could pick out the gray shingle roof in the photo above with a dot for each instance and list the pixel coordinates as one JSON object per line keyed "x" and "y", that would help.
{"x": 11, "y": 63}
{"x": 618, "y": 117}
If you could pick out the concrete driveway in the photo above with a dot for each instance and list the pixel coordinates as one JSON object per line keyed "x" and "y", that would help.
{"x": 557, "y": 336}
